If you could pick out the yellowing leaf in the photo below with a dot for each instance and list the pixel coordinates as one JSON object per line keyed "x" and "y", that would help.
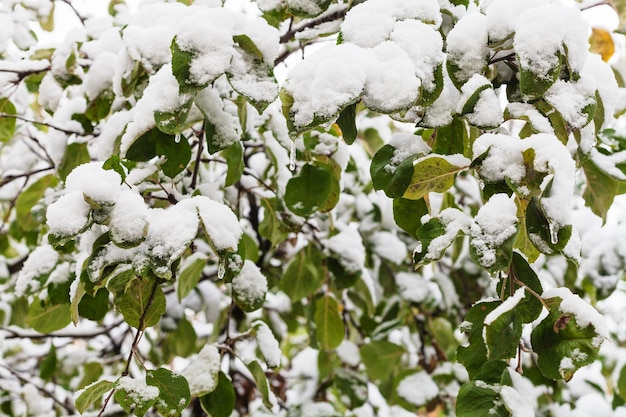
{"x": 602, "y": 43}
{"x": 431, "y": 174}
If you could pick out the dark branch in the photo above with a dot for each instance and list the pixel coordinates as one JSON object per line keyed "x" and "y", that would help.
{"x": 60, "y": 129}
{"x": 325, "y": 18}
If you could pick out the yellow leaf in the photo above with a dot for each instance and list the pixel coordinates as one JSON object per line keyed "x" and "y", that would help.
{"x": 602, "y": 43}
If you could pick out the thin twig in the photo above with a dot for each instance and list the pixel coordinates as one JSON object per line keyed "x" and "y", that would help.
{"x": 289, "y": 35}
{"x": 533, "y": 292}
{"x": 10, "y": 178}
{"x": 78, "y": 335}
{"x": 196, "y": 168}
{"x": 35, "y": 122}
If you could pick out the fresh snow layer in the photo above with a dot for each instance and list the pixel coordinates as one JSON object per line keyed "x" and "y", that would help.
{"x": 348, "y": 246}
{"x": 40, "y": 262}
{"x": 495, "y": 223}
{"x": 583, "y": 313}
{"x": 270, "y": 349}
{"x": 250, "y": 284}
{"x": 201, "y": 374}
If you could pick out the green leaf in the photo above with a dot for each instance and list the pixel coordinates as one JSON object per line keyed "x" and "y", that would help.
{"x": 474, "y": 355}
{"x": 181, "y": 65}
{"x": 600, "y": 189}
{"x": 329, "y": 327}
{"x": 190, "y": 276}
{"x": 48, "y": 365}
{"x": 183, "y": 339}
{"x": 94, "y": 307}
{"x": 220, "y": 402}
{"x": 261, "y": 382}
{"x": 29, "y": 198}
{"x": 562, "y": 347}
{"x": 308, "y": 191}
{"x": 133, "y": 401}
{"x": 93, "y": 394}
{"x": 91, "y": 372}
{"x": 142, "y": 304}
{"x": 174, "y": 395}
{"x": 545, "y": 236}
{"x": 248, "y": 45}
{"x": 172, "y": 122}
{"x": 7, "y": 123}
{"x": 272, "y": 227}
{"x": 533, "y": 86}
{"x": 621, "y": 382}
{"x": 431, "y": 174}
{"x": 45, "y": 317}
{"x": 177, "y": 151}
{"x": 156, "y": 143}
{"x": 304, "y": 274}
{"x": 381, "y": 359}
{"x": 408, "y": 214}
{"x": 347, "y": 124}
{"x": 234, "y": 160}
{"x": 451, "y": 139}
{"x": 502, "y": 335}
{"x": 476, "y": 399}
{"x": 381, "y": 175}
{"x": 114, "y": 163}
{"x": 529, "y": 308}
{"x": 468, "y": 106}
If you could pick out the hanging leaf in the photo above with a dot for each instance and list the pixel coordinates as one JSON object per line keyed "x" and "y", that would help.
{"x": 347, "y": 124}
{"x": 75, "y": 154}
{"x": 93, "y": 395}
{"x": 46, "y": 317}
{"x": 234, "y": 161}
{"x": 142, "y": 304}
{"x": 190, "y": 276}
{"x": 408, "y": 214}
{"x": 29, "y": 198}
{"x": 220, "y": 402}
{"x": 308, "y": 191}
{"x": 261, "y": 382}
{"x": 329, "y": 327}
{"x": 304, "y": 274}
{"x": 474, "y": 355}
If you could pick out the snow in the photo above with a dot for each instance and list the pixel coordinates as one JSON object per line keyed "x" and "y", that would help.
{"x": 406, "y": 145}
{"x": 348, "y": 246}
{"x": 467, "y": 45}
{"x": 270, "y": 349}
{"x": 503, "y": 16}
{"x": 201, "y": 374}
{"x": 40, "y": 262}
{"x": 221, "y": 115}
{"x": 387, "y": 245}
{"x": 571, "y": 98}
{"x": 521, "y": 398}
{"x": 392, "y": 83}
{"x": 138, "y": 391}
{"x": 583, "y": 313}
{"x": 537, "y": 48}
{"x": 487, "y": 110}
{"x": 349, "y": 353}
{"x": 250, "y": 284}
{"x": 100, "y": 185}
{"x": 454, "y": 222}
{"x": 427, "y": 54}
{"x": 219, "y": 221}
{"x": 506, "y": 306}
{"x": 418, "y": 388}
{"x": 325, "y": 82}
{"x": 68, "y": 215}
{"x": 495, "y": 223}
{"x": 128, "y": 222}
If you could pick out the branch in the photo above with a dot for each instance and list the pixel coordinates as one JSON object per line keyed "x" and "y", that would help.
{"x": 76, "y": 12}
{"x": 77, "y": 335}
{"x": 60, "y": 129}
{"x": 10, "y": 178}
{"x": 196, "y": 168}
{"x": 325, "y": 18}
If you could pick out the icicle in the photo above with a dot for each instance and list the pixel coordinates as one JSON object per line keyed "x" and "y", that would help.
{"x": 554, "y": 233}
{"x": 292, "y": 156}
{"x": 221, "y": 269}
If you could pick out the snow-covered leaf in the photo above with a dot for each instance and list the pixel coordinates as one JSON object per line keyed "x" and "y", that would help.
{"x": 174, "y": 393}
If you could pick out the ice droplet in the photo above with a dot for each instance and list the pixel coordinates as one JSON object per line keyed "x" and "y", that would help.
{"x": 554, "y": 233}
{"x": 292, "y": 156}
{"x": 221, "y": 269}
